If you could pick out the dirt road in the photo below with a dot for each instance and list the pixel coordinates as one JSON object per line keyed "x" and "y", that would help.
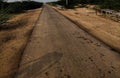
{"x": 60, "y": 49}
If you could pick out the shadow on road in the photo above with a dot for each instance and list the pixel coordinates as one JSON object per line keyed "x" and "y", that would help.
{"x": 36, "y": 67}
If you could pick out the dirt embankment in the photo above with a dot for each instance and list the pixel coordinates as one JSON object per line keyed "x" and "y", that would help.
{"x": 13, "y": 38}
{"x": 104, "y": 29}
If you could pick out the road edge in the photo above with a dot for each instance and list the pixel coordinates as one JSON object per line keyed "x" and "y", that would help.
{"x": 112, "y": 47}
{"x": 22, "y": 52}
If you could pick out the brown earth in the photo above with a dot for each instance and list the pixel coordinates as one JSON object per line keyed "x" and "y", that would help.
{"x": 58, "y": 48}
{"x": 104, "y": 29}
{"x": 13, "y": 38}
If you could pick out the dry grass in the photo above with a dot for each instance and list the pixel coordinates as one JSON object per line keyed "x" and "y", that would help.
{"x": 13, "y": 38}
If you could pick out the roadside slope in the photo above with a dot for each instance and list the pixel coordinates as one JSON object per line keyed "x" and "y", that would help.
{"x": 14, "y": 36}
{"x": 105, "y": 30}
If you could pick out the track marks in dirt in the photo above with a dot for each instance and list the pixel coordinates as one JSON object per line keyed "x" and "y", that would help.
{"x": 84, "y": 36}
{"x": 60, "y": 73}
{"x": 38, "y": 66}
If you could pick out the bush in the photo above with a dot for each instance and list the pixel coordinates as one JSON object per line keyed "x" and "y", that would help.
{"x": 6, "y": 9}
{"x": 14, "y": 8}
{"x": 4, "y": 18}
{"x": 18, "y": 7}
{"x": 27, "y": 5}
{"x": 109, "y": 4}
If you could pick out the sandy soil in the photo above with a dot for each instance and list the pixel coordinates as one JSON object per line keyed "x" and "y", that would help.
{"x": 13, "y": 38}
{"x": 103, "y": 28}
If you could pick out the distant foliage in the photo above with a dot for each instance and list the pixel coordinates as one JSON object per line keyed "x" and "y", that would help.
{"x": 110, "y": 4}
{"x": 6, "y": 9}
{"x": 27, "y": 5}
{"x": 17, "y": 7}
{"x": 14, "y": 8}
{"x": 71, "y": 3}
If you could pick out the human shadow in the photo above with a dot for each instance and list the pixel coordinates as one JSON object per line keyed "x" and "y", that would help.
{"x": 34, "y": 68}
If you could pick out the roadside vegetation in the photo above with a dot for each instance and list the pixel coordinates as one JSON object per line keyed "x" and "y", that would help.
{"x": 17, "y": 20}
{"x": 109, "y": 4}
{"x": 8, "y": 9}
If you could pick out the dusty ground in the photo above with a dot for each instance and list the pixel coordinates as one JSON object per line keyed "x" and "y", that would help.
{"x": 60, "y": 49}
{"x": 13, "y": 38}
{"x": 103, "y": 28}
{"x": 88, "y": 16}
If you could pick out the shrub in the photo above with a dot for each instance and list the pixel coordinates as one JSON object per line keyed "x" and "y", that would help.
{"x": 15, "y": 8}
{"x": 109, "y": 4}
{"x": 27, "y": 5}
{"x": 6, "y": 9}
{"x": 4, "y": 18}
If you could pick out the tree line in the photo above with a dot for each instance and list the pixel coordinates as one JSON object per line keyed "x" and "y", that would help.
{"x": 8, "y": 9}
{"x": 109, "y": 4}
{"x": 17, "y": 7}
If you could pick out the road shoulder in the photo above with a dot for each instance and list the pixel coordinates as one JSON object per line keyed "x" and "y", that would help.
{"x": 110, "y": 39}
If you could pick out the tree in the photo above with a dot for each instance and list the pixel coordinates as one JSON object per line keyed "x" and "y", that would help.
{"x": 71, "y": 3}
{"x": 1, "y": 4}
{"x": 1, "y": 1}
{"x": 109, "y": 4}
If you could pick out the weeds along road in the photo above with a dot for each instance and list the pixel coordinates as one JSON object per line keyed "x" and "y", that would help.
{"x": 59, "y": 49}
